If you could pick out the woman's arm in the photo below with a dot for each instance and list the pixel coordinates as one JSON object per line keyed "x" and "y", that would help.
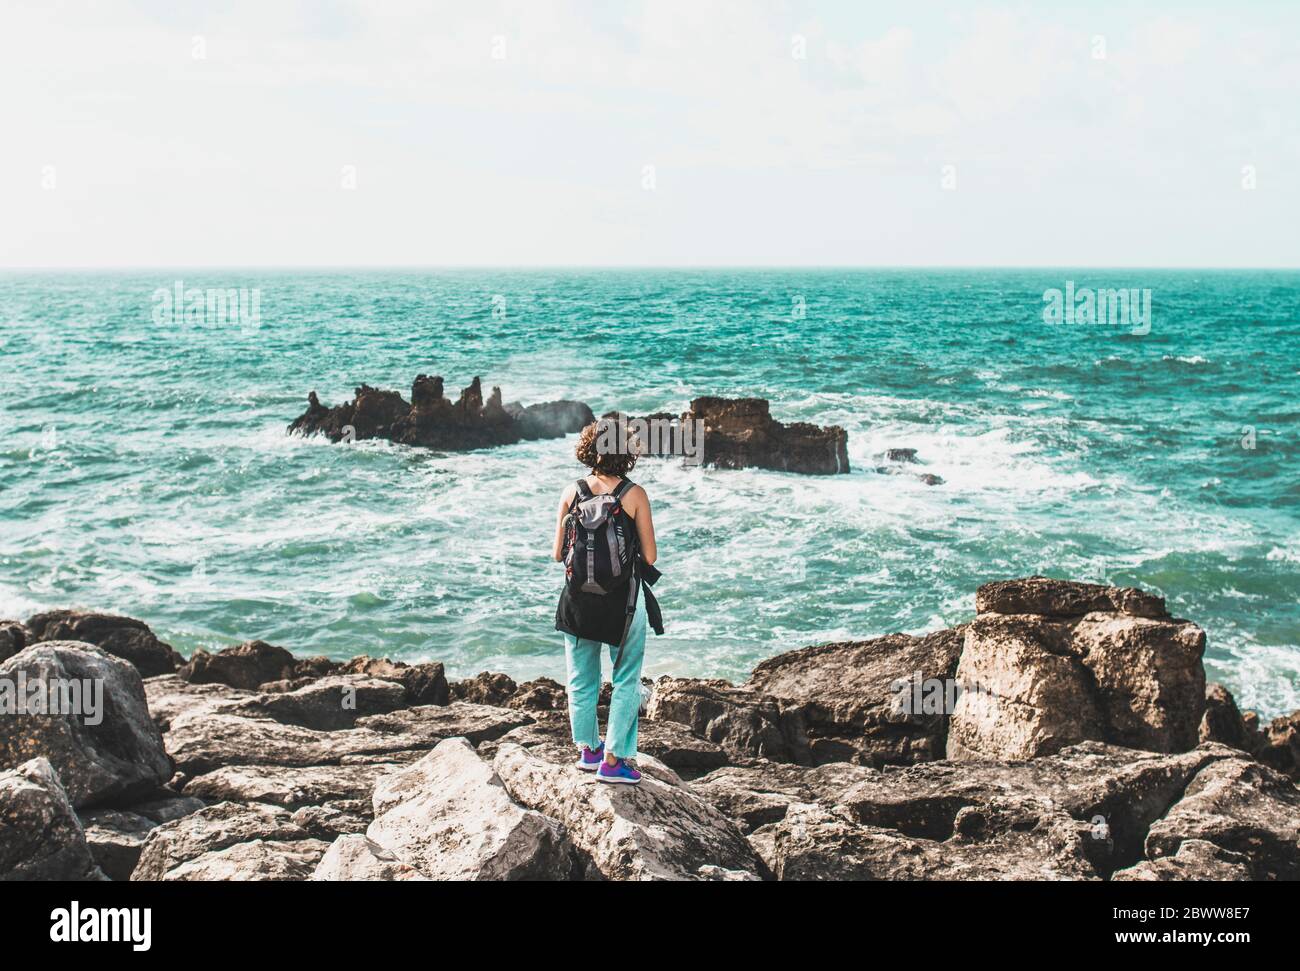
{"x": 645, "y": 526}
{"x": 566, "y": 500}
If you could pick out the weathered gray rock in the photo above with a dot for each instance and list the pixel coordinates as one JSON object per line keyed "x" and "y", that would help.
{"x": 113, "y": 754}
{"x": 761, "y": 793}
{"x": 168, "y": 696}
{"x": 256, "y": 860}
{"x": 354, "y": 857}
{"x": 814, "y": 842}
{"x": 550, "y": 419}
{"x": 430, "y": 724}
{"x": 115, "y": 839}
{"x": 449, "y": 817}
{"x": 40, "y": 835}
{"x": 1240, "y": 806}
{"x": 741, "y": 721}
{"x": 1195, "y": 860}
{"x": 289, "y": 786}
{"x": 1046, "y": 597}
{"x": 677, "y": 747}
{"x": 245, "y": 666}
{"x": 1278, "y": 745}
{"x": 841, "y": 702}
{"x": 328, "y": 822}
{"x": 542, "y": 694}
{"x": 328, "y": 704}
{"x": 857, "y": 697}
{"x": 653, "y": 831}
{"x": 188, "y": 840}
{"x": 123, "y": 637}
{"x": 1035, "y": 684}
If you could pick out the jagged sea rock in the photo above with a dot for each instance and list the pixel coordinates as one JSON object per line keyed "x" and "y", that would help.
{"x": 113, "y": 754}
{"x": 740, "y": 433}
{"x": 1278, "y": 745}
{"x": 542, "y": 694}
{"x": 1243, "y": 807}
{"x": 653, "y": 831}
{"x": 432, "y": 421}
{"x": 40, "y": 835}
{"x": 123, "y": 637}
{"x": 449, "y": 818}
{"x": 679, "y": 748}
{"x": 245, "y": 666}
{"x": 1034, "y": 683}
{"x": 743, "y": 722}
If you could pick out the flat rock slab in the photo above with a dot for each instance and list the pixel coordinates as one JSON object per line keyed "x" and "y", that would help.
{"x": 289, "y": 786}
{"x": 183, "y": 843}
{"x": 1047, "y": 597}
{"x": 653, "y": 831}
{"x": 755, "y": 795}
{"x": 329, "y": 703}
{"x": 354, "y": 857}
{"x": 256, "y": 860}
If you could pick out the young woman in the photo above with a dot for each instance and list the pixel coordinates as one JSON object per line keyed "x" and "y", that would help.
{"x": 615, "y": 619}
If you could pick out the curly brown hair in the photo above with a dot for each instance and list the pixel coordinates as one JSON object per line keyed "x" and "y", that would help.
{"x": 608, "y": 447}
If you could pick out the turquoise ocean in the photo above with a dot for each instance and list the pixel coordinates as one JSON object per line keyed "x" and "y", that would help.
{"x": 145, "y": 468}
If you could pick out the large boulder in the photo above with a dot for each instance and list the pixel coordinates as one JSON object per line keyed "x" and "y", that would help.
{"x": 1239, "y": 806}
{"x": 195, "y": 847}
{"x": 1046, "y": 597}
{"x": 1033, "y": 684}
{"x": 245, "y": 666}
{"x": 102, "y": 742}
{"x": 857, "y": 701}
{"x": 123, "y": 637}
{"x": 115, "y": 839}
{"x": 868, "y": 701}
{"x": 1222, "y": 721}
{"x": 449, "y": 818}
{"x": 40, "y": 835}
{"x": 657, "y": 830}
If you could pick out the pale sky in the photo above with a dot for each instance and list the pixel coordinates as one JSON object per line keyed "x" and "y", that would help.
{"x": 519, "y": 133}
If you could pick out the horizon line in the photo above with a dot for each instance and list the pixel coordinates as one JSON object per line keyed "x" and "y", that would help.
{"x": 352, "y": 267}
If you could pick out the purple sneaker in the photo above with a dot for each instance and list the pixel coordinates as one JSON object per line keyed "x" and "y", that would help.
{"x": 589, "y": 761}
{"x": 620, "y": 773}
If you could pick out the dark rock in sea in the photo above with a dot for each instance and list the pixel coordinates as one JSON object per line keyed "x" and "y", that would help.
{"x": 108, "y": 755}
{"x": 40, "y": 835}
{"x": 432, "y": 421}
{"x": 551, "y": 419}
{"x": 900, "y": 455}
{"x": 543, "y": 694}
{"x": 123, "y": 637}
{"x": 740, "y": 433}
{"x": 1278, "y": 744}
{"x": 930, "y": 479}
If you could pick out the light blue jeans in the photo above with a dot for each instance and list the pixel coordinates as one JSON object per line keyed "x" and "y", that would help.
{"x": 582, "y": 659}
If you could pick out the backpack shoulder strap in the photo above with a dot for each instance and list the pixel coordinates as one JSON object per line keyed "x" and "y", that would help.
{"x": 622, "y": 488}
{"x": 584, "y": 491}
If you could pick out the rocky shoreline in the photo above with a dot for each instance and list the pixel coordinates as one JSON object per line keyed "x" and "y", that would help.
{"x": 1084, "y": 744}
